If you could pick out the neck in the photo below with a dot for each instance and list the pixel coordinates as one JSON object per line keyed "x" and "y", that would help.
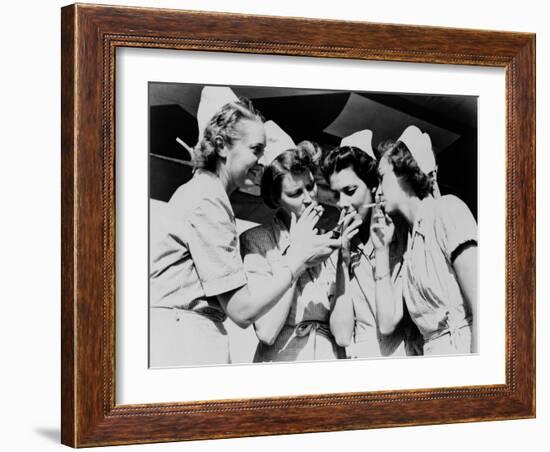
{"x": 409, "y": 209}
{"x": 223, "y": 175}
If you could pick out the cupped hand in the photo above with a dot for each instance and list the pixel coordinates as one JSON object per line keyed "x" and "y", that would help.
{"x": 349, "y": 224}
{"x": 307, "y": 247}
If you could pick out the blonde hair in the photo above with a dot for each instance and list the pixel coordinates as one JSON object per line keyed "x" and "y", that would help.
{"x": 222, "y": 125}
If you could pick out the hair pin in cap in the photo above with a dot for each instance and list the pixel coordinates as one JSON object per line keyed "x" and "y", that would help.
{"x": 361, "y": 140}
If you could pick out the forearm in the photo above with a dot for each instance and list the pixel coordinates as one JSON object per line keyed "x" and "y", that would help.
{"x": 269, "y": 325}
{"x": 247, "y": 304}
{"x": 465, "y": 266}
{"x": 389, "y": 309}
{"x": 474, "y": 348}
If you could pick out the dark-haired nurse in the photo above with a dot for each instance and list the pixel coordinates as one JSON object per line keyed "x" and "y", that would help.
{"x": 440, "y": 277}
{"x": 352, "y": 172}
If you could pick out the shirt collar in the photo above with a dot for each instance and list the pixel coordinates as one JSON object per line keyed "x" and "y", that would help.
{"x": 425, "y": 212}
{"x": 368, "y": 249}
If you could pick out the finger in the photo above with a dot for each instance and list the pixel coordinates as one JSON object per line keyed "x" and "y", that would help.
{"x": 375, "y": 228}
{"x": 375, "y": 218}
{"x": 343, "y": 213}
{"x": 315, "y": 217}
{"x": 325, "y": 236}
{"x": 292, "y": 220}
{"x": 357, "y": 221}
{"x": 348, "y": 219}
{"x": 377, "y": 212}
{"x": 334, "y": 243}
{"x": 310, "y": 216}
{"x": 307, "y": 212}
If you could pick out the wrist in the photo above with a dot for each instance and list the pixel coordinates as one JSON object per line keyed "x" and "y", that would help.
{"x": 295, "y": 266}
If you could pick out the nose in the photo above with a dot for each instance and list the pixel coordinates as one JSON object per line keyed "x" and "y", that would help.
{"x": 308, "y": 199}
{"x": 378, "y": 193}
{"x": 261, "y": 159}
{"x": 343, "y": 201}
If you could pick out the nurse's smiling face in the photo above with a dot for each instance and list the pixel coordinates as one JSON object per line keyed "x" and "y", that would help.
{"x": 244, "y": 152}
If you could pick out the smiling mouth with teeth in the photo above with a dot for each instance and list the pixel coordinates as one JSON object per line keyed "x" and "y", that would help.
{"x": 255, "y": 174}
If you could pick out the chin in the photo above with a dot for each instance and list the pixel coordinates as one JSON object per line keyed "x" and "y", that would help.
{"x": 390, "y": 207}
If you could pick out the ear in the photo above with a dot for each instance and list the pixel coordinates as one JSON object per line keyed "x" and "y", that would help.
{"x": 221, "y": 148}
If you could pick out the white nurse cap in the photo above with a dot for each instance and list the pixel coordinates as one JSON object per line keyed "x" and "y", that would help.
{"x": 213, "y": 98}
{"x": 420, "y": 146}
{"x": 277, "y": 141}
{"x": 362, "y": 140}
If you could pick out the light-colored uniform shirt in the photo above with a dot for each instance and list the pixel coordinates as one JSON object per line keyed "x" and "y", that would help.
{"x": 367, "y": 339}
{"x": 430, "y": 286}
{"x": 305, "y": 334}
{"x": 197, "y": 256}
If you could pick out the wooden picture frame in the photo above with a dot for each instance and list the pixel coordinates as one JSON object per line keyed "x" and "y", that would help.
{"x": 90, "y": 36}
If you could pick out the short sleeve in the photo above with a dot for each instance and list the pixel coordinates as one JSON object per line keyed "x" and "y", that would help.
{"x": 254, "y": 248}
{"x": 214, "y": 247}
{"x": 454, "y": 225}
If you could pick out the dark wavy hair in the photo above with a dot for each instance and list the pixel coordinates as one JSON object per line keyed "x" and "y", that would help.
{"x": 294, "y": 161}
{"x": 223, "y": 125}
{"x": 359, "y": 161}
{"x": 404, "y": 165}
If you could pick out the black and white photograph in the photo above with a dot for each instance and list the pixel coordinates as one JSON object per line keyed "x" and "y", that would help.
{"x": 291, "y": 224}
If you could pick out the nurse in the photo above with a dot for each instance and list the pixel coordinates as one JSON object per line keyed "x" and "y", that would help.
{"x": 297, "y": 327}
{"x": 352, "y": 172}
{"x": 440, "y": 273}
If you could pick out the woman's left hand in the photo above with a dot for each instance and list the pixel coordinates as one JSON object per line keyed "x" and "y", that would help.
{"x": 382, "y": 229}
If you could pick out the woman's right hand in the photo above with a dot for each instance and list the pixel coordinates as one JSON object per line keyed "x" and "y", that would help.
{"x": 307, "y": 247}
{"x": 381, "y": 229}
{"x": 349, "y": 225}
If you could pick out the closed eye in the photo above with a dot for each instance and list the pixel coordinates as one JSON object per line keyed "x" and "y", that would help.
{"x": 349, "y": 191}
{"x": 258, "y": 149}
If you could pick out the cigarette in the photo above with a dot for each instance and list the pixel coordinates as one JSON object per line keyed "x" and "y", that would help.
{"x": 374, "y": 204}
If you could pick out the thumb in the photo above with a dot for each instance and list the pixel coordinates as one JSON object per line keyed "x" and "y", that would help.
{"x": 292, "y": 220}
